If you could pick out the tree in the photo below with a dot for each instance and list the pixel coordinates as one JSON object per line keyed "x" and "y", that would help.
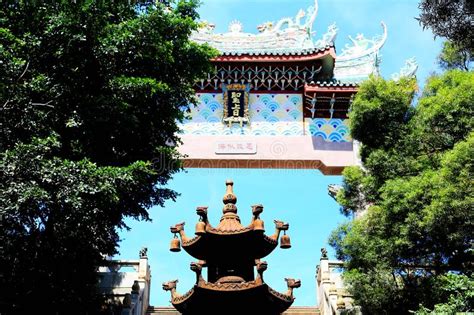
{"x": 413, "y": 245}
{"x": 452, "y": 19}
{"x": 455, "y": 57}
{"x": 90, "y": 92}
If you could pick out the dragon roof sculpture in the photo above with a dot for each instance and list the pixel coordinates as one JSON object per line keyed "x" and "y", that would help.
{"x": 408, "y": 70}
{"x": 286, "y": 35}
{"x": 294, "y": 36}
{"x": 360, "y": 58}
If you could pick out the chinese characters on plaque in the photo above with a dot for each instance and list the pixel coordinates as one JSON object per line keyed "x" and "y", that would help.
{"x": 236, "y": 102}
{"x": 236, "y": 98}
{"x": 236, "y": 147}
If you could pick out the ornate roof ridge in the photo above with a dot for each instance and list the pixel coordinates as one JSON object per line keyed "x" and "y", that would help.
{"x": 291, "y": 38}
{"x": 333, "y": 82}
{"x": 408, "y": 70}
{"x": 361, "y": 58}
{"x": 362, "y": 46}
{"x": 293, "y": 33}
{"x": 283, "y": 51}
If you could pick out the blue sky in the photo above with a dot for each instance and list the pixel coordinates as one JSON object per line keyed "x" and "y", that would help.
{"x": 297, "y": 196}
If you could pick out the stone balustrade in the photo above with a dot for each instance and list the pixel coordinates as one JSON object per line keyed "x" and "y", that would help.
{"x": 333, "y": 297}
{"x": 126, "y": 285}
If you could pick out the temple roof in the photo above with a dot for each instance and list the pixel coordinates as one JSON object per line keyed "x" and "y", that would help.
{"x": 231, "y": 253}
{"x": 291, "y": 39}
{"x": 230, "y": 238}
{"x": 278, "y": 56}
{"x": 228, "y": 298}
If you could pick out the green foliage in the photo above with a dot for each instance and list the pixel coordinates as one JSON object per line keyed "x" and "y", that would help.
{"x": 382, "y": 105}
{"x": 129, "y": 71}
{"x": 450, "y": 19}
{"x": 418, "y": 190}
{"x": 459, "y": 292}
{"x": 445, "y": 111}
{"x": 356, "y": 190}
{"x": 455, "y": 57}
{"x": 379, "y": 289}
{"x": 62, "y": 215}
{"x": 90, "y": 92}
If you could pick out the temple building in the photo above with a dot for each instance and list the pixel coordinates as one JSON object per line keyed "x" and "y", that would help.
{"x": 231, "y": 253}
{"x": 277, "y": 98}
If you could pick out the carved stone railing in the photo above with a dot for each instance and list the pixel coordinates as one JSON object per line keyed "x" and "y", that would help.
{"x": 127, "y": 291}
{"x": 133, "y": 303}
{"x": 333, "y": 297}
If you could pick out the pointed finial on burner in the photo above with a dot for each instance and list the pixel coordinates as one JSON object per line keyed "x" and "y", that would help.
{"x": 229, "y": 199}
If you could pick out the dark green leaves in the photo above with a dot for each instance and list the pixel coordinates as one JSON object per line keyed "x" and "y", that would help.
{"x": 417, "y": 190}
{"x": 90, "y": 93}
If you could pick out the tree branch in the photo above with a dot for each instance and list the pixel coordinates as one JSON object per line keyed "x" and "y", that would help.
{"x": 43, "y": 104}
{"x": 24, "y": 71}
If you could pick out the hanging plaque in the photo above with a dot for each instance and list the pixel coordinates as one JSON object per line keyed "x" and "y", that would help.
{"x": 236, "y": 100}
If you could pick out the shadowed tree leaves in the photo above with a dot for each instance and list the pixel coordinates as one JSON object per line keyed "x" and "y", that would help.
{"x": 90, "y": 92}
{"x": 452, "y": 19}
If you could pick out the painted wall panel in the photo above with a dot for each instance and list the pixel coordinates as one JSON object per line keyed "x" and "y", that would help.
{"x": 270, "y": 115}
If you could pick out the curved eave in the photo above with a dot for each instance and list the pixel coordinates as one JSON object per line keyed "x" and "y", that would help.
{"x": 367, "y": 52}
{"x": 232, "y": 298}
{"x": 240, "y": 243}
{"x": 300, "y": 56}
{"x": 281, "y": 296}
{"x": 182, "y": 299}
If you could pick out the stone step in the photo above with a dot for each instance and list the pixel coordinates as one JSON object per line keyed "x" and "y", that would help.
{"x": 302, "y": 310}
{"x": 158, "y": 310}
{"x": 296, "y": 310}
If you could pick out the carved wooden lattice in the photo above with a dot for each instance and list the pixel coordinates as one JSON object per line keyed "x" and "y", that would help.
{"x": 270, "y": 78}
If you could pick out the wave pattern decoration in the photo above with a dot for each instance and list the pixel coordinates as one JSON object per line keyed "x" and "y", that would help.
{"x": 208, "y": 108}
{"x": 256, "y": 129}
{"x": 270, "y": 114}
{"x": 276, "y": 108}
{"x": 331, "y": 130}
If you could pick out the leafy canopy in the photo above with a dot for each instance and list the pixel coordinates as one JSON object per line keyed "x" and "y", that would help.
{"x": 90, "y": 92}
{"x": 416, "y": 187}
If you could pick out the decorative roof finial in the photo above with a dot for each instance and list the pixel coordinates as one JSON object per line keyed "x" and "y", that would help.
{"x": 324, "y": 253}
{"x": 143, "y": 252}
{"x": 230, "y": 221}
{"x": 236, "y": 27}
{"x": 229, "y": 199}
